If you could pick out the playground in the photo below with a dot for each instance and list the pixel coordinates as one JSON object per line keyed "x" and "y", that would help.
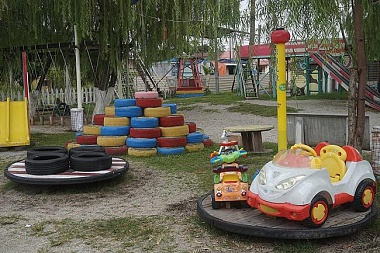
{"x": 173, "y": 209}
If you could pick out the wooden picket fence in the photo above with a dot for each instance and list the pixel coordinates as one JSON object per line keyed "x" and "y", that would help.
{"x": 48, "y": 97}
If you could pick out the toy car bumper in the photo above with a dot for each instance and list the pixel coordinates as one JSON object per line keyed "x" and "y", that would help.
{"x": 230, "y": 193}
{"x": 286, "y": 210}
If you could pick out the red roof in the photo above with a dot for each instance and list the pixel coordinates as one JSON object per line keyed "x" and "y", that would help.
{"x": 292, "y": 47}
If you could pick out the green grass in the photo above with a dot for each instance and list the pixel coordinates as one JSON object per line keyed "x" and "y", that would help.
{"x": 261, "y": 110}
{"x": 42, "y": 139}
{"x": 122, "y": 233}
{"x": 322, "y": 96}
{"x": 9, "y": 219}
{"x": 223, "y": 98}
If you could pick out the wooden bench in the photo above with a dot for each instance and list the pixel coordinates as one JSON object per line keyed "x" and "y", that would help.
{"x": 251, "y": 136}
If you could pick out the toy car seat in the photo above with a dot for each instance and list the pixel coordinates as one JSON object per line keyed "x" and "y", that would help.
{"x": 333, "y": 158}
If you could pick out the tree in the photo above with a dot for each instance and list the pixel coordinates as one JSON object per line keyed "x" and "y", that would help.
{"x": 329, "y": 19}
{"x": 155, "y": 29}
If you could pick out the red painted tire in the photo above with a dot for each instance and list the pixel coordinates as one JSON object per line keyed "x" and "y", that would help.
{"x": 145, "y": 132}
{"x": 146, "y": 94}
{"x": 192, "y": 126}
{"x": 207, "y": 142}
{"x": 115, "y": 151}
{"x": 149, "y": 102}
{"x": 87, "y": 139}
{"x": 172, "y": 120}
{"x": 170, "y": 142}
{"x": 99, "y": 119}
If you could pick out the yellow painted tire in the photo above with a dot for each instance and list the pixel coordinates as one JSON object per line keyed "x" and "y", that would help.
{"x": 174, "y": 131}
{"x": 142, "y": 151}
{"x": 91, "y": 129}
{"x": 189, "y": 92}
{"x": 194, "y": 147}
{"x": 71, "y": 145}
{"x": 117, "y": 121}
{"x": 157, "y": 112}
{"x": 109, "y": 110}
{"x": 111, "y": 141}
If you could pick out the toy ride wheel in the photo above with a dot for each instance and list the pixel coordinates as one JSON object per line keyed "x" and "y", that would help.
{"x": 309, "y": 150}
{"x": 319, "y": 211}
{"x": 364, "y": 195}
{"x": 215, "y": 204}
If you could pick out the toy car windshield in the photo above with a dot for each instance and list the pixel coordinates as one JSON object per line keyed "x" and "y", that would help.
{"x": 292, "y": 159}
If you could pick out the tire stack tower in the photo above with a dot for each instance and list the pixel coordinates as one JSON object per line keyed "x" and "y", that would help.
{"x": 143, "y": 126}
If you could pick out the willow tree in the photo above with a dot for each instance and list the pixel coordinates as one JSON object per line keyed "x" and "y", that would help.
{"x": 155, "y": 29}
{"x": 355, "y": 20}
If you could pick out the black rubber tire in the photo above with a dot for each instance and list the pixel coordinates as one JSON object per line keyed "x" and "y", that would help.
{"x": 312, "y": 223}
{"x": 90, "y": 161}
{"x": 363, "y": 187}
{"x": 215, "y": 204}
{"x": 47, "y": 163}
{"x": 43, "y": 150}
{"x": 83, "y": 149}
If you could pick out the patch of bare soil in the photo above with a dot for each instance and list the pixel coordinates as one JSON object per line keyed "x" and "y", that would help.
{"x": 142, "y": 192}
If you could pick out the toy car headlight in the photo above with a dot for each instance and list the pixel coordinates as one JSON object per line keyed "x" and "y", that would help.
{"x": 262, "y": 177}
{"x": 289, "y": 183}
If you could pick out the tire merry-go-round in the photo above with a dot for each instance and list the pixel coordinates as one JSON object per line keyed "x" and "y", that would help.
{"x": 248, "y": 221}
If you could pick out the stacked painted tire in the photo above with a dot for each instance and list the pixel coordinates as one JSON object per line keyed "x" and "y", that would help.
{"x": 89, "y": 136}
{"x": 142, "y": 140}
{"x": 174, "y": 132}
{"x": 116, "y": 126}
{"x": 144, "y": 126}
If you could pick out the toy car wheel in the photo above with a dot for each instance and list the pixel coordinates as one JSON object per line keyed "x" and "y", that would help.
{"x": 215, "y": 204}
{"x": 364, "y": 195}
{"x": 319, "y": 211}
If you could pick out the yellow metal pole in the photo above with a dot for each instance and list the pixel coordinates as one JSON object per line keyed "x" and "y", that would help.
{"x": 280, "y": 37}
{"x": 7, "y": 120}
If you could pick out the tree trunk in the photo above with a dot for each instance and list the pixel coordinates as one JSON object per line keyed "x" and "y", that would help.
{"x": 352, "y": 106}
{"x": 362, "y": 73}
{"x": 102, "y": 99}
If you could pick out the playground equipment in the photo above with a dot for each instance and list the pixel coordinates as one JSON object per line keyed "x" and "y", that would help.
{"x": 341, "y": 75}
{"x": 327, "y": 176}
{"x": 230, "y": 178}
{"x": 189, "y": 82}
{"x": 331, "y": 189}
{"x": 14, "y": 123}
{"x": 280, "y": 37}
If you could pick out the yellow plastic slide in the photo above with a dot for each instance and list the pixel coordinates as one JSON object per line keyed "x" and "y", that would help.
{"x": 14, "y": 123}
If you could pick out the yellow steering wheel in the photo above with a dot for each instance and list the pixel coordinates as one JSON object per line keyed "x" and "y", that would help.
{"x": 308, "y": 150}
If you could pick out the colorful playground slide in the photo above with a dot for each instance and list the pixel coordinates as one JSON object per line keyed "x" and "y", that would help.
{"x": 14, "y": 123}
{"x": 341, "y": 75}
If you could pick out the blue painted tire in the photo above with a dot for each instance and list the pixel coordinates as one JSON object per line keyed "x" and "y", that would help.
{"x": 78, "y": 134}
{"x": 129, "y": 111}
{"x": 114, "y": 130}
{"x": 125, "y": 102}
{"x": 195, "y": 137}
{"x": 141, "y": 142}
{"x": 173, "y": 108}
{"x": 144, "y": 122}
{"x": 170, "y": 151}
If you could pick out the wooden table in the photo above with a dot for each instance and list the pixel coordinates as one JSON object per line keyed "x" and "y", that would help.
{"x": 251, "y": 136}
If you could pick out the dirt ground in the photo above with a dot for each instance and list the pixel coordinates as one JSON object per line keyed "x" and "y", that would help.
{"x": 144, "y": 193}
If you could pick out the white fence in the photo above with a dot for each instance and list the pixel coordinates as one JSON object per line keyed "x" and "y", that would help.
{"x": 49, "y": 97}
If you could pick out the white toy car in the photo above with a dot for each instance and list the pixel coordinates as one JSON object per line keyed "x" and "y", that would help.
{"x": 303, "y": 184}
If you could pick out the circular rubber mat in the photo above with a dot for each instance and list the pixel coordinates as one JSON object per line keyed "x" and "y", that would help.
{"x": 16, "y": 172}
